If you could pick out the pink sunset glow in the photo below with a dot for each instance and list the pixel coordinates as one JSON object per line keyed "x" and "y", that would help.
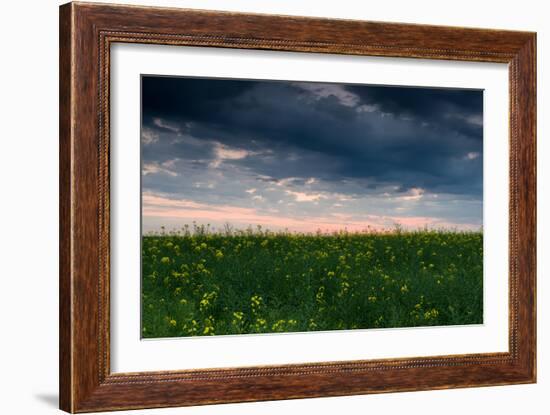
{"x": 186, "y": 211}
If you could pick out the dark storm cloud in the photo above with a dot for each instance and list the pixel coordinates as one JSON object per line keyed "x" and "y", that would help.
{"x": 420, "y": 102}
{"x": 196, "y": 99}
{"x": 378, "y": 136}
{"x": 434, "y": 105}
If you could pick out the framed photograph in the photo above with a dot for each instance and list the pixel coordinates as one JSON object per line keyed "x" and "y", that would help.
{"x": 258, "y": 207}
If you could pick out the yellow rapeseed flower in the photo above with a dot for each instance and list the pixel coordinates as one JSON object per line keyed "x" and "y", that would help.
{"x": 431, "y": 314}
{"x": 255, "y": 301}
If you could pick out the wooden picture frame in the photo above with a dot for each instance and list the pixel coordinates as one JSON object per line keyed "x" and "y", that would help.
{"x": 86, "y": 33}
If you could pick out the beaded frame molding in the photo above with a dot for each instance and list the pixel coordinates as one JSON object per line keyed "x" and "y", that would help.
{"x": 86, "y": 33}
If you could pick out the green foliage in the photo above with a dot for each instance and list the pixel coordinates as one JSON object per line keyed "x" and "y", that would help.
{"x": 205, "y": 283}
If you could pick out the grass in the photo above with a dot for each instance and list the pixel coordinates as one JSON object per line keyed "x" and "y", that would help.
{"x": 204, "y": 283}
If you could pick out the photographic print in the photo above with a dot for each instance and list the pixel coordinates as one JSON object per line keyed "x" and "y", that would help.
{"x": 284, "y": 206}
{"x": 363, "y": 218}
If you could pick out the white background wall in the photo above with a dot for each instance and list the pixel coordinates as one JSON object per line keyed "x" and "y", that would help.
{"x": 29, "y": 192}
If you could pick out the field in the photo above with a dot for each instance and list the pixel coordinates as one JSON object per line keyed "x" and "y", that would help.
{"x": 202, "y": 283}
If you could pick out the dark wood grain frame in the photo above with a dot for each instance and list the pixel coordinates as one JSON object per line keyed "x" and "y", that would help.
{"x": 86, "y": 33}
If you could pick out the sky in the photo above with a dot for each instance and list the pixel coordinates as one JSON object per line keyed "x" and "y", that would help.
{"x": 307, "y": 156}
